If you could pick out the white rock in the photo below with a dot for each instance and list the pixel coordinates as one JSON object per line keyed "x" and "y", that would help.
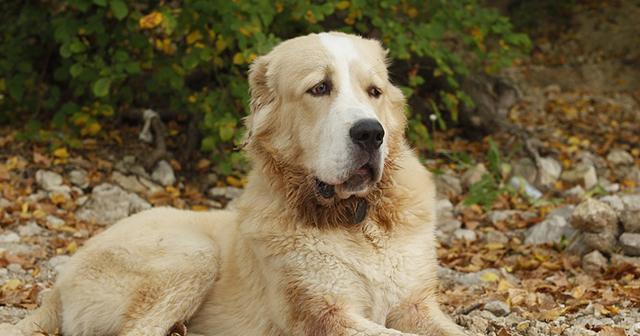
{"x": 630, "y": 243}
{"x": 584, "y": 173}
{"x": 48, "y": 180}
{"x": 29, "y": 229}
{"x": 15, "y": 268}
{"x": 594, "y": 262}
{"x": 498, "y": 308}
{"x": 109, "y": 203}
{"x": 614, "y": 201}
{"x": 494, "y": 236}
{"x": 444, "y": 208}
{"x": 78, "y": 177}
{"x": 448, "y": 185}
{"x": 163, "y": 174}
{"x": 619, "y": 157}
{"x": 549, "y": 173}
{"x": 576, "y": 192}
{"x": 525, "y": 187}
{"x": 55, "y": 221}
{"x": 128, "y": 182}
{"x": 4, "y": 203}
{"x": 9, "y": 237}
{"x": 563, "y": 211}
{"x": 594, "y": 216}
{"x": 526, "y": 169}
{"x": 465, "y": 234}
{"x": 551, "y": 230}
{"x": 37, "y": 197}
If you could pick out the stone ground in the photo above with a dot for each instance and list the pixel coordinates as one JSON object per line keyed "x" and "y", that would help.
{"x": 556, "y": 253}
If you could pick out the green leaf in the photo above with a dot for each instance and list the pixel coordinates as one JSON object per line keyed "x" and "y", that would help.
{"x": 226, "y": 132}
{"x": 119, "y": 9}
{"x": 101, "y": 87}
{"x": 100, "y": 3}
{"x": 76, "y": 69}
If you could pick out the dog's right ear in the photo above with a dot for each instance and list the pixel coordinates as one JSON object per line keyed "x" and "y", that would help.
{"x": 262, "y": 95}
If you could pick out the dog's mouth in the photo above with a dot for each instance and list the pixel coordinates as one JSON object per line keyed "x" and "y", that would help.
{"x": 357, "y": 183}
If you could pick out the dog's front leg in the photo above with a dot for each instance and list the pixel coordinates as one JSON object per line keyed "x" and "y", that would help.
{"x": 421, "y": 314}
{"x": 323, "y": 316}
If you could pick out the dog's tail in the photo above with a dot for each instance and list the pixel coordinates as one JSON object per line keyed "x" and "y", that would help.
{"x": 47, "y": 318}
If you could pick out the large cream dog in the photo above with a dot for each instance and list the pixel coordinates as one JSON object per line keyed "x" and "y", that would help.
{"x": 332, "y": 236}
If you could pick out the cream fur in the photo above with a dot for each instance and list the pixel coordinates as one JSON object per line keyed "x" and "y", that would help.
{"x": 280, "y": 264}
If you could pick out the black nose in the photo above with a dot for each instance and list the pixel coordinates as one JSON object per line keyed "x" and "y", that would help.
{"x": 367, "y": 133}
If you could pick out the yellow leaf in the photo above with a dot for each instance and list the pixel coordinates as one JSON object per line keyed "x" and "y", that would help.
{"x": 233, "y": 181}
{"x": 552, "y": 314}
{"x": 238, "y": 59}
{"x": 221, "y": 44}
{"x": 504, "y": 285}
{"x": 342, "y": 5}
{"x": 489, "y": 277}
{"x": 12, "y": 284}
{"x": 194, "y": 37}
{"x": 72, "y": 247}
{"x": 151, "y": 20}
{"x": 91, "y": 129}
{"x": 39, "y": 214}
{"x": 61, "y": 153}
{"x": 199, "y": 208}
{"x": 57, "y": 198}
{"x": 412, "y": 12}
{"x": 578, "y": 291}
{"x": 494, "y": 246}
{"x": 251, "y": 57}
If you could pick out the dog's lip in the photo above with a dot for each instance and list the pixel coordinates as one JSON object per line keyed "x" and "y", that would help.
{"x": 356, "y": 182}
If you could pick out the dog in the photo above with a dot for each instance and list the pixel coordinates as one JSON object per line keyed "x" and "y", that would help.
{"x": 333, "y": 234}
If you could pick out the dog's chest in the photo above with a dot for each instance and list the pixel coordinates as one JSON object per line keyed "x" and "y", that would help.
{"x": 391, "y": 272}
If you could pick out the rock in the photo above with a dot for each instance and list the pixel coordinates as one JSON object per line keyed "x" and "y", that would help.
{"x": 128, "y": 165}
{"x": 496, "y": 237}
{"x": 51, "y": 181}
{"x": 449, "y": 225}
{"x": 594, "y": 216}
{"x": 78, "y": 177}
{"x": 549, "y": 173}
{"x": 473, "y": 175}
{"x": 15, "y": 268}
{"x": 29, "y": 229}
{"x": 498, "y": 216}
{"x": 618, "y": 259}
{"x": 551, "y": 230}
{"x": 526, "y": 169}
{"x": 614, "y": 201}
{"x": 474, "y": 324}
{"x": 619, "y": 157}
{"x": 563, "y": 211}
{"x": 109, "y": 203}
{"x": 630, "y": 243}
{"x": 584, "y": 174}
{"x": 479, "y": 278}
{"x": 525, "y": 187}
{"x": 578, "y": 331}
{"x": 633, "y": 175}
{"x": 163, "y": 174}
{"x": 575, "y": 192}
{"x": 594, "y": 262}
{"x": 226, "y": 192}
{"x": 448, "y": 185}
{"x": 128, "y": 182}
{"x": 465, "y": 234}
{"x": 498, "y": 308}
{"x": 152, "y": 188}
{"x": 444, "y": 208}
{"x": 55, "y": 222}
{"x": 630, "y": 215}
{"x": 4, "y": 203}
{"x": 9, "y": 237}
{"x": 37, "y": 197}
{"x": 605, "y": 241}
{"x": 48, "y": 180}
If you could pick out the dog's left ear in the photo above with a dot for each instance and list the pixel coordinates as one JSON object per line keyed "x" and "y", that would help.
{"x": 261, "y": 95}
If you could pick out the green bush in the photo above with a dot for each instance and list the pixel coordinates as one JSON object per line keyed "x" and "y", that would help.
{"x": 75, "y": 62}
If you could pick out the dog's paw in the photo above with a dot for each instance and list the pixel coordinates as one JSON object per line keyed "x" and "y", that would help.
{"x": 10, "y": 329}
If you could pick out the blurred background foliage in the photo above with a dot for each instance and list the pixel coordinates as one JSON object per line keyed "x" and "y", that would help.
{"x": 70, "y": 66}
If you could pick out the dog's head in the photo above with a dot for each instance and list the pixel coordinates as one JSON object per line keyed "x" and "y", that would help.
{"x": 325, "y": 102}
{"x": 325, "y": 124}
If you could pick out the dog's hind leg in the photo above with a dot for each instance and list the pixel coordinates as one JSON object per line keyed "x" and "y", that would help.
{"x": 173, "y": 297}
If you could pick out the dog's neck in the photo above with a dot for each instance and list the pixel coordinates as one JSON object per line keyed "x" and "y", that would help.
{"x": 297, "y": 189}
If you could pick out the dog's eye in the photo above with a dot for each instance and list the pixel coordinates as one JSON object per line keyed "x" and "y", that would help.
{"x": 374, "y": 91}
{"x": 321, "y": 89}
